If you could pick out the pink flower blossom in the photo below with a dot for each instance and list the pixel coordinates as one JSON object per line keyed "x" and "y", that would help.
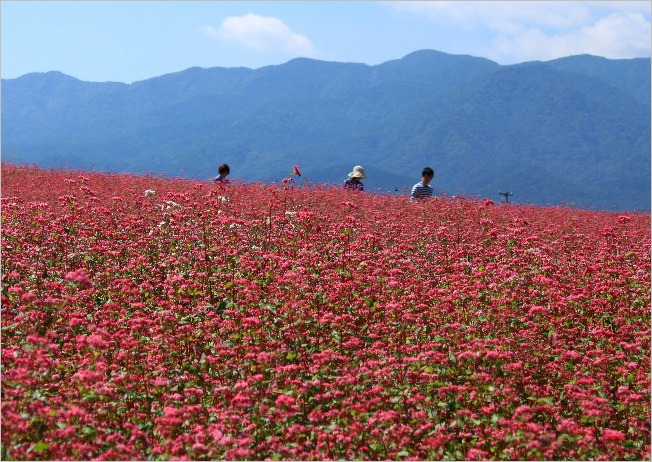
{"x": 80, "y": 277}
{"x": 613, "y": 435}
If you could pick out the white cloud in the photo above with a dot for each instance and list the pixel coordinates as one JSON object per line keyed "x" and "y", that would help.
{"x": 618, "y": 36}
{"x": 539, "y": 30}
{"x": 262, "y": 33}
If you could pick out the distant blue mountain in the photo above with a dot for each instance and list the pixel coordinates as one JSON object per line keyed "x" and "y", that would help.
{"x": 574, "y": 130}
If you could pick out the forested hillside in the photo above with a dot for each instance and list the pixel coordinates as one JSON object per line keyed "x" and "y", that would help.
{"x": 574, "y": 130}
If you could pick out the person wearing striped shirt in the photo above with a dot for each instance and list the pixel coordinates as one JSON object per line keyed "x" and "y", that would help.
{"x": 423, "y": 188}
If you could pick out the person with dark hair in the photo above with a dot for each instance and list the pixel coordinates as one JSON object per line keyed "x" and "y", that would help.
{"x": 355, "y": 176}
{"x": 223, "y": 171}
{"x": 423, "y": 188}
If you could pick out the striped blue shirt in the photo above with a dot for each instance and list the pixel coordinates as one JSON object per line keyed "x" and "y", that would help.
{"x": 420, "y": 190}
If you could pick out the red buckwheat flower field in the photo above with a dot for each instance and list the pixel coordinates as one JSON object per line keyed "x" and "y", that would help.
{"x": 156, "y": 318}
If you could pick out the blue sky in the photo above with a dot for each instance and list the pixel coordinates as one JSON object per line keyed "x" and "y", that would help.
{"x": 127, "y": 41}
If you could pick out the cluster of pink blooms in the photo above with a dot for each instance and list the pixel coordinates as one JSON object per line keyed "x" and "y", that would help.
{"x": 316, "y": 323}
{"x": 79, "y": 276}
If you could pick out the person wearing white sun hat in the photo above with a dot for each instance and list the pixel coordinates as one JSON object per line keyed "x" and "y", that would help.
{"x": 355, "y": 176}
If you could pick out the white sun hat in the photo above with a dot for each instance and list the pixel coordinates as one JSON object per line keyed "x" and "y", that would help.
{"x": 358, "y": 172}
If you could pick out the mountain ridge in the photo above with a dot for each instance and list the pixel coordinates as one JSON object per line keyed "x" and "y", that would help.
{"x": 562, "y": 124}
